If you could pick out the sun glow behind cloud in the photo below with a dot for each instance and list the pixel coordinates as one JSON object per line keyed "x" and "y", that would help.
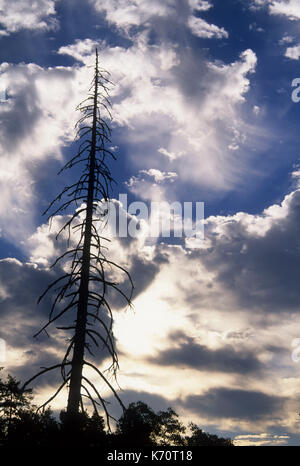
{"x": 211, "y": 329}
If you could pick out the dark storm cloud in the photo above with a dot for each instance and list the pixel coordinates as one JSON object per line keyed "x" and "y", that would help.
{"x": 22, "y": 110}
{"x": 21, "y": 118}
{"x": 142, "y": 272}
{"x": 234, "y": 404}
{"x": 21, "y": 317}
{"x": 262, "y": 272}
{"x": 38, "y": 360}
{"x": 190, "y": 354}
{"x": 154, "y": 401}
{"x": 21, "y": 284}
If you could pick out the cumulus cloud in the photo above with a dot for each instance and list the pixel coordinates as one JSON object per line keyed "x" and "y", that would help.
{"x": 207, "y": 319}
{"x": 286, "y": 40}
{"x": 21, "y": 318}
{"x": 151, "y": 184}
{"x": 125, "y": 14}
{"x": 259, "y": 256}
{"x": 200, "y": 28}
{"x": 248, "y": 265}
{"x": 216, "y": 306}
{"x": 293, "y": 52}
{"x": 181, "y": 117}
{"x": 129, "y": 252}
{"x": 156, "y": 175}
{"x": 38, "y": 117}
{"x": 200, "y": 5}
{"x": 204, "y": 137}
{"x": 80, "y": 50}
{"x": 217, "y": 321}
{"x": 22, "y": 283}
{"x": 152, "y": 96}
{"x": 27, "y": 14}
{"x": 256, "y": 110}
{"x": 159, "y": 176}
{"x": 289, "y": 8}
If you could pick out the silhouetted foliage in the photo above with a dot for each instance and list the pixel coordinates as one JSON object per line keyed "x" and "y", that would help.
{"x": 171, "y": 429}
{"x": 32, "y": 429}
{"x": 13, "y": 401}
{"x": 141, "y": 426}
{"x": 21, "y": 424}
{"x": 200, "y": 438}
{"x": 84, "y": 430}
{"x": 138, "y": 425}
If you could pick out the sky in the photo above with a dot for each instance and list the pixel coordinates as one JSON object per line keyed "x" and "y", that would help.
{"x": 202, "y": 112}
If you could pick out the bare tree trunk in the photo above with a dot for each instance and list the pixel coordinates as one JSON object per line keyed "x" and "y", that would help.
{"x": 84, "y": 287}
{"x": 80, "y": 330}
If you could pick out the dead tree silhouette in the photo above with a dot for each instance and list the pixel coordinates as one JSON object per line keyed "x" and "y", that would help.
{"x": 86, "y": 284}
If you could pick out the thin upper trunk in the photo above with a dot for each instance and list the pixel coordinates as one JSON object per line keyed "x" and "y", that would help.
{"x": 80, "y": 330}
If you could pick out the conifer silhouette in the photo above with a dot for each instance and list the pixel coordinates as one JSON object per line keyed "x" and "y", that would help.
{"x": 85, "y": 285}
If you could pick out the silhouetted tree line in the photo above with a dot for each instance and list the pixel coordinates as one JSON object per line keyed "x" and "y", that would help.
{"x": 22, "y": 425}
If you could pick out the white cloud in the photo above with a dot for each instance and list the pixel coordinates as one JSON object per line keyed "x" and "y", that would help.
{"x": 80, "y": 50}
{"x": 200, "y": 28}
{"x": 27, "y": 14}
{"x": 293, "y": 52}
{"x": 215, "y": 305}
{"x": 170, "y": 155}
{"x": 200, "y": 5}
{"x": 153, "y": 97}
{"x": 38, "y": 119}
{"x": 289, "y": 8}
{"x": 286, "y": 40}
{"x": 181, "y": 124}
{"x": 192, "y": 130}
{"x": 204, "y": 301}
{"x": 151, "y": 184}
{"x": 150, "y": 99}
{"x": 236, "y": 82}
{"x": 256, "y": 110}
{"x": 124, "y": 13}
{"x": 286, "y": 8}
{"x": 256, "y": 28}
{"x": 159, "y": 176}
{"x": 264, "y": 439}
